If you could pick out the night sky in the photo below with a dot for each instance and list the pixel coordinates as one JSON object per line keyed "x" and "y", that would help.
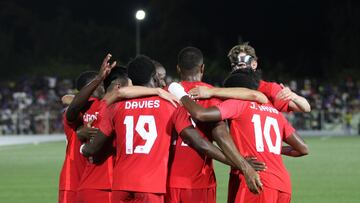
{"x": 292, "y": 38}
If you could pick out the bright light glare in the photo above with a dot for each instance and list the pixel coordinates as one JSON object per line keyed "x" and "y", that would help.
{"x": 140, "y": 14}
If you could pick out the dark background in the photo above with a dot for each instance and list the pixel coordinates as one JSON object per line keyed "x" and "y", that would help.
{"x": 293, "y": 38}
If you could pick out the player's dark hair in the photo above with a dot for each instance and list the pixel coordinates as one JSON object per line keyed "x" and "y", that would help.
{"x": 140, "y": 70}
{"x": 244, "y": 78}
{"x": 84, "y": 78}
{"x": 190, "y": 58}
{"x": 119, "y": 75}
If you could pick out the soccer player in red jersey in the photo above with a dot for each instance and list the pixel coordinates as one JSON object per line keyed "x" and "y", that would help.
{"x": 95, "y": 183}
{"x": 192, "y": 177}
{"x": 143, "y": 128}
{"x": 258, "y": 130}
{"x": 74, "y": 163}
{"x": 243, "y": 56}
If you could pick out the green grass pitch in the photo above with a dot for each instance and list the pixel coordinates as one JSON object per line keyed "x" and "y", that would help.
{"x": 330, "y": 173}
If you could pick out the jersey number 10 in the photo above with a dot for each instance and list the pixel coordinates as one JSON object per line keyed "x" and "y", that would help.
{"x": 265, "y": 133}
{"x": 150, "y": 135}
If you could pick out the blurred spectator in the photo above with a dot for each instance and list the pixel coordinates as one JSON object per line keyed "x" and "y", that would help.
{"x": 32, "y": 105}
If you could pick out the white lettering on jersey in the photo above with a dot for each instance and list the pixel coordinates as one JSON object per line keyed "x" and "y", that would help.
{"x": 90, "y": 117}
{"x": 150, "y": 104}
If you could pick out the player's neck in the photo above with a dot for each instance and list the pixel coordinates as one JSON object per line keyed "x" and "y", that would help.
{"x": 191, "y": 78}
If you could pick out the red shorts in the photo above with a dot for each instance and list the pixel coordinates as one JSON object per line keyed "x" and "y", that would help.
{"x": 67, "y": 196}
{"x": 268, "y": 195}
{"x": 119, "y": 196}
{"x": 93, "y": 196}
{"x": 233, "y": 187}
{"x": 177, "y": 195}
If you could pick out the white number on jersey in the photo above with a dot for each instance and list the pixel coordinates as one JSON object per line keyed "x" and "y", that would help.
{"x": 150, "y": 136}
{"x": 260, "y": 133}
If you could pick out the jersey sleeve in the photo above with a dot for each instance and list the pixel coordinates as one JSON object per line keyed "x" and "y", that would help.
{"x": 271, "y": 89}
{"x": 106, "y": 124}
{"x": 181, "y": 119}
{"x": 231, "y": 108}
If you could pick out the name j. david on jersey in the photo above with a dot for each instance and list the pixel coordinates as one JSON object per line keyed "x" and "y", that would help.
{"x": 90, "y": 117}
{"x": 263, "y": 107}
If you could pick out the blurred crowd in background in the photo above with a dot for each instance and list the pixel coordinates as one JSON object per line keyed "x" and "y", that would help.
{"x": 33, "y": 105}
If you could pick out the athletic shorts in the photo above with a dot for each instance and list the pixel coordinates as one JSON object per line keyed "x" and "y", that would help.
{"x": 182, "y": 195}
{"x": 67, "y": 196}
{"x": 267, "y": 195}
{"x": 119, "y": 196}
{"x": 93, "y": 196}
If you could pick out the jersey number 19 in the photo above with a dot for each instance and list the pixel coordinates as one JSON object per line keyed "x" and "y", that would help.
{"x": 150, "y": 135}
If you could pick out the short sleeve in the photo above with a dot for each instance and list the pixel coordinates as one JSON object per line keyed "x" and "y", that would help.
{"x": 231, "y": 108}
{"x": 106, "y": 124}
{"x": 181, "y": 119}
{"x": 271, "y": 89}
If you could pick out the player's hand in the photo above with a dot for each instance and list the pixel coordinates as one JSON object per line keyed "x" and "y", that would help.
{"x": 200, "y": 92}
{"x": 67, "y": 99}
{"x": 167, "y": 96}
{"x": 106, "y": 67}
{"x": 252, "y": 179}
{"x": 285, "y": 93}
{"x": 86, "y": 132}
{"x": 257, "y": 165}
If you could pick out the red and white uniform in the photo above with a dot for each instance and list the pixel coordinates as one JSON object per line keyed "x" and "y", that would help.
{"x": 96, "y": 180}
{"x": 192, "y": 173}
{"x": 258, "y": 130}
{"x": 73, "y": 166}
{"x": 143, "y": 129}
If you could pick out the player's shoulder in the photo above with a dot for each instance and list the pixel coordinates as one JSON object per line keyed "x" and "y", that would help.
{"x": 191, "y": 84}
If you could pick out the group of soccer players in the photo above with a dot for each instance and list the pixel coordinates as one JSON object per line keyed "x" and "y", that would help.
{"x": 134, "y": 142}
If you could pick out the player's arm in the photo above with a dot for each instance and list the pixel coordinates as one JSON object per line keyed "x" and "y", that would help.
{"x": 192, "y": 138}
{"x": 93, "y": 147}
{"x": 297, "y": 147}
{"x": 224, "y": 140}
{"x": 226, "y": 143}
{"x": 81, "y": 99}
{"x": 130, "y": 92}
{"x": 296, "y": 103}
{"x": 203, "y": 92}
{"x": 211, "y": 114}
{"x": 84, "y": 133}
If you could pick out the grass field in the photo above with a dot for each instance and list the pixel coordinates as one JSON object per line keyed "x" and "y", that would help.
{"x": 331, "y": 173}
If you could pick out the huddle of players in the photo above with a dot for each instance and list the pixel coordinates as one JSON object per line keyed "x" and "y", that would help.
{"x": 142, "y": 148}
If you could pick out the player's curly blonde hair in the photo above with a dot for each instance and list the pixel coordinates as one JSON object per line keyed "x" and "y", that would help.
{"x": 244, "y": 47}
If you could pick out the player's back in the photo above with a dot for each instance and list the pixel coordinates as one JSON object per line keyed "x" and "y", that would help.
{"x": 143, "y": 130}
{"x": 188, "y": 168}
{"x": 74, "y": 162}
{"x": 258, "y": 130}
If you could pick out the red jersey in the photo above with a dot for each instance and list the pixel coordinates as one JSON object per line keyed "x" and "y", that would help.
{"x": 271, "y": 89}
{"x": 99, "y": 168}
{"x": 143, "y": 129}
{"x": 74, "y": 162}
{"x": 258, "y": 130}
{"x": 189, "y": 169}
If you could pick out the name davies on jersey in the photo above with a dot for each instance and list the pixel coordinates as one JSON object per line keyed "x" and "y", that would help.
{"x": 150, "y": 104}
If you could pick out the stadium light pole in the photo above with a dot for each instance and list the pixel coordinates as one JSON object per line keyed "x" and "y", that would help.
{"x": 140, "y": 15}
